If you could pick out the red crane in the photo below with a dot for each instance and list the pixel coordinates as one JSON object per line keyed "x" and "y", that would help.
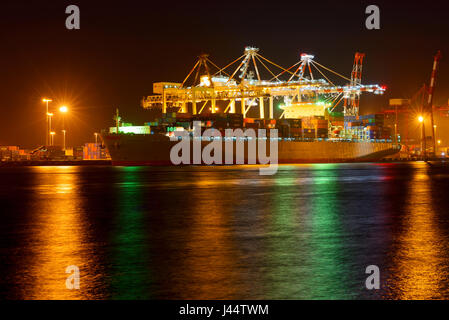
{"x": 352, "y": 107}
{"x": 429, "y": 106}
{"x": 425, "y": 105}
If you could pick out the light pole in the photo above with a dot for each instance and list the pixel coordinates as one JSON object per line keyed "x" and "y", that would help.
{"x": 49, "y": 116}
{"x": 96, "y": 138}
{"x": 52, "y": 137}
{"x": 423, "y": 137}
{"x": 47, "y": 130}
{"x": 63, "y": 139}
{"x": 63, "y": 110}
{"x": 396, "y": 124}
{"x": 435, "y": 137}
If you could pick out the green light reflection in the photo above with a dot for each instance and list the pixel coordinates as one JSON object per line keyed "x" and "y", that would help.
{"x": 130, "y": 246}
{"x": 306, "y": 242}
{"x": 327, "y": 265}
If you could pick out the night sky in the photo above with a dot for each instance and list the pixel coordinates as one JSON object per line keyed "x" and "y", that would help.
{"x": 125, "y": 46}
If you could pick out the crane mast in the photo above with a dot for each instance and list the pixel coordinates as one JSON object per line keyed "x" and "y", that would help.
{"x": 429, "y": 106}
{"x": 356, "y": 80}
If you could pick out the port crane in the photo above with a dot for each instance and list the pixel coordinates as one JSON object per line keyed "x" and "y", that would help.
{"x": 244, "y": 87}
{"x": 421, "y": 103}
{"x": 429, "y": 105}
{"x": 352, "y": 108}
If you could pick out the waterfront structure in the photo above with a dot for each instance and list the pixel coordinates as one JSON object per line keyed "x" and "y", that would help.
{"x": 246, "y": 87}
{"x": 311, "y": 129}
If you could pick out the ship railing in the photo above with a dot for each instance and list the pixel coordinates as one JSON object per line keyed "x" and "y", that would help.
{"x": 289, "y": 139}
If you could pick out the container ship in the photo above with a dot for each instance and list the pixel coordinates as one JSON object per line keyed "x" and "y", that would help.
{"x": 299, "y": 140}
{"x": 301, "y": 108}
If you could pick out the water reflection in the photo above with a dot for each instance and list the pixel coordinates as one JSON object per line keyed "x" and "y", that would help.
{"x": 417, "y": 272}
{"x": 58, "y": 238}
{"x": 210, "y": 254}
{"x": 130, "y": 269}
{"x": 305, "y": 252}
{"x": 225, "y": 232}
{"x": 327, "y": 272}
{"x": 285, "y": 228}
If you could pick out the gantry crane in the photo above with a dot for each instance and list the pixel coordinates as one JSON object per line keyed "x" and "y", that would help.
{"x": 245, "y": 86}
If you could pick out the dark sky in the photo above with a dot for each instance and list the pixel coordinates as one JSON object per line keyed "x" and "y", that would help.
{"x": 125, "y": 46}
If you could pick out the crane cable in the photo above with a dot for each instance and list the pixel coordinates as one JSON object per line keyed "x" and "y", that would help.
{"x": 229, "y": 64}
{"x": 322, "y": 74}
{"x": 274, "y": 64}
{"x": 208, "y": 60}
{"x": 332, "y": 71}
{"x": 261, "y": 62}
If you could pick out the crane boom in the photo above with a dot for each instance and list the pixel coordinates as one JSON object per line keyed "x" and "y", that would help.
{"x": 429, "y": 106}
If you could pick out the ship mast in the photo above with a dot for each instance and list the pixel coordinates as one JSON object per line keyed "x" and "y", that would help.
{"x": 117, "y": 120}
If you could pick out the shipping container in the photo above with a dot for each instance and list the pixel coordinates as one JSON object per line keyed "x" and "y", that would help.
{"x": 252, "y": 125}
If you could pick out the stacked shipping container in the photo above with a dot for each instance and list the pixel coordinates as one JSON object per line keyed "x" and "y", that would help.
{"x": 367, "y": 127}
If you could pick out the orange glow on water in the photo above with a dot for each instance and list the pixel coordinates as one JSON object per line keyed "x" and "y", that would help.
{"x": 307, "y": 232}
{"x": 418, "y": 256}
{"x": 212, "y": 265}
{"x": 59, "y": 238}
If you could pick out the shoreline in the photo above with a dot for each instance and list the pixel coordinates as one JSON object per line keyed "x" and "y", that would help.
{"x": 37, "y": 163}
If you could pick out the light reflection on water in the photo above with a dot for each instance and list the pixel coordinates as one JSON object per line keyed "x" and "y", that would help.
{"x": 129, "y": 243}
{"x": 307, "y": 232}
{"x": 58, "y": 238}
{"x": 420, "y": 251}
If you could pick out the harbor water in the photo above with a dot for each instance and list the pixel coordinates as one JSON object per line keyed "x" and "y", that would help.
{"x": 307, "y": 232}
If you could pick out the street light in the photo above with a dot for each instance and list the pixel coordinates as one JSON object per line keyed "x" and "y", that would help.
{"x": 435, "y": 137}
{"x": 63, "y": 110}
{"x": 49, "y": 116}
{"x": 63, "y": 139}
{"x": 47, "y": 130}
{"x": 96, "y": 137}
{"x": 52, "y": 135}
{"x": 423, "y": 137}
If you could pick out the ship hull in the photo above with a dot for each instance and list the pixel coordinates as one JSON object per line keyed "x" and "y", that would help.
{"x": 154, "y": 150}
